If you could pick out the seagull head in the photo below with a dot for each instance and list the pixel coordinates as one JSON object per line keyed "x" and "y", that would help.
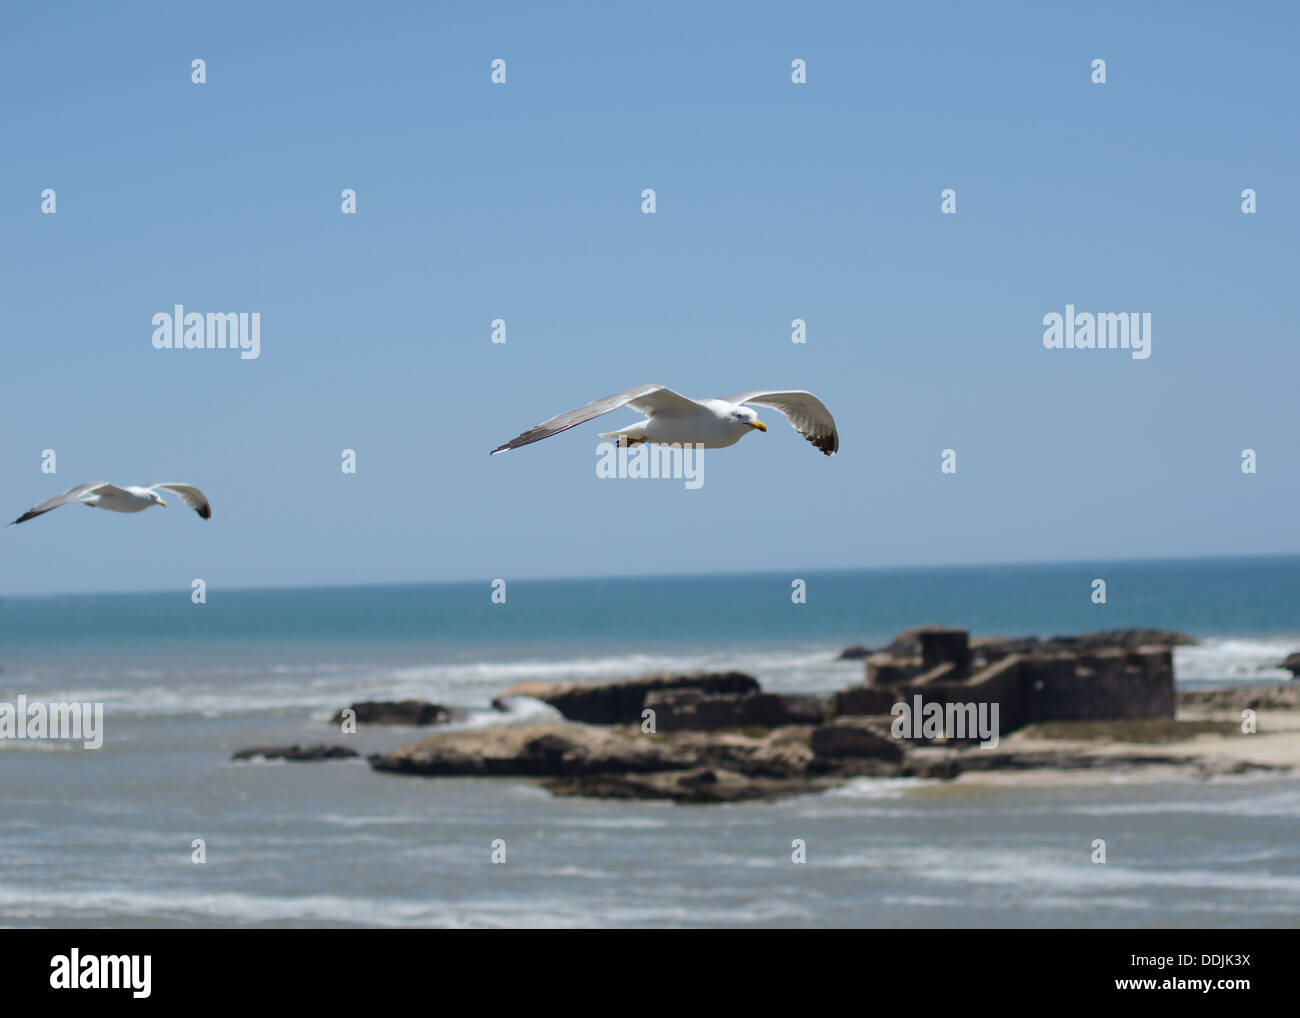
{"x": 157, "y": 499}
{"x": 746, "y": 417}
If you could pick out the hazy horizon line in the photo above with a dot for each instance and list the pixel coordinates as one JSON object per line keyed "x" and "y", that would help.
{"x": 603, "y": 578}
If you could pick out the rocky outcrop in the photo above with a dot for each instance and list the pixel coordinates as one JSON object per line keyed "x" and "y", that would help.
{"x": 566, "y": 749}
{"x": 296, "y": 753}
{"x": 718, "y": 738}
{"x": 700, "y": 767}
{"x": 1292, "y": 664}
{"x": 855, "y": 653}
{"x": 402, "y": 712}
{"x": 621, "y": 761}
{"x": 615, "y": 703}
{"x": 1128, "y": 639}
{"x": 689, "y": 708}
{"x": 690, "y": 766}
{"x": 1237, "y": 699}
{"x": 863, "y": 700}
{"x": 698, "y": 785}
{"x": 843, "y": 740}
{"x": 529, "y": 751}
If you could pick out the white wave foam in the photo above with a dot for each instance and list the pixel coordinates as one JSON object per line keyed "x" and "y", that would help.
{"x": 1235, "y": 658}
{"x": 344, "y": 820}
{"x": 19, "y": 904}
{"x": 878, "y": 788}
{"x": 321, "y": 689}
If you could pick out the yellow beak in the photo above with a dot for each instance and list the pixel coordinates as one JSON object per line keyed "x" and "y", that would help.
{"x": 161, "y": 502}
{"x": 758, "y": 424}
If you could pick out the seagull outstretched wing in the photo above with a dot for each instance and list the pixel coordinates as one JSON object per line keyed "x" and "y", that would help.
{"x": 805, "y": 412}
{"x": 71, "y": 495}
{"x": 651, "y": 400}
{"x": 191, "y": 496}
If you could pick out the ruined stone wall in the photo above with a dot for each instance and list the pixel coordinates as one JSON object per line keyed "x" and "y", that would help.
{"x": 1103, "y": 685}
{"x": 1002, "y": 683}
{"x": 1083, "y": 685}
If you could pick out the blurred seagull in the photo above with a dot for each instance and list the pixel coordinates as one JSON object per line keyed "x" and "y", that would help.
{"x": 672, "y": 419}
{"x": 102, "y": 495}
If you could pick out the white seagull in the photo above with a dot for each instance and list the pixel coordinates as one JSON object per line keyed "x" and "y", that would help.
{"x": 672, "y": 419}
{"x": 102, "y": 495}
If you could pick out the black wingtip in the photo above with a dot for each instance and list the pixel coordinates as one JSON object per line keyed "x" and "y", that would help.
{"x": 205, "y": 513}
{"x": 829, "y": 444}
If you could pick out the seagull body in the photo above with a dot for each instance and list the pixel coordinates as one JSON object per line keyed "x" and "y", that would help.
{"x": 673, "y": 419}
{"x": 102, "y": 495}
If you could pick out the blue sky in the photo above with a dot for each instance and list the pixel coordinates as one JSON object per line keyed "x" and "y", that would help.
{"x": 522, "y": 201}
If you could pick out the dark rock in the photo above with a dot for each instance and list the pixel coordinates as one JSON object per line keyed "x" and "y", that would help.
{"x": 855, "y": 653}
{"x": 779, "y": 753}
{"x": 403, "y": 712}
{"x": 1128, "y": 638}
{"x": 297, "y": 753}
{"x": 774, "y": 710}
{"x": 1292, "y": 664}
{"x": 694, "y": 709}
{"x": 703, "y": 785}
{"x": 841, "y": 739}
{"x": 612, "y": 703}
{"x": 863, "y": 700}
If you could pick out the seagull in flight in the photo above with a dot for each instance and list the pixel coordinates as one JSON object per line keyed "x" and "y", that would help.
{"x": 102, "y": 495}
{"x": 673, "y": 419}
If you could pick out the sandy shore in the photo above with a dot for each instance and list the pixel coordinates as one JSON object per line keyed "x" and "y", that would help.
{"x": 1206, "y": 740}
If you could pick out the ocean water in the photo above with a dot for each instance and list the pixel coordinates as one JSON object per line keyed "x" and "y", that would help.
{"x": 103, "y": 837}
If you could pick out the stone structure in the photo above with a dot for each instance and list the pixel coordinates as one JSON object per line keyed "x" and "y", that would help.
{"x": 1094, "y": 679}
